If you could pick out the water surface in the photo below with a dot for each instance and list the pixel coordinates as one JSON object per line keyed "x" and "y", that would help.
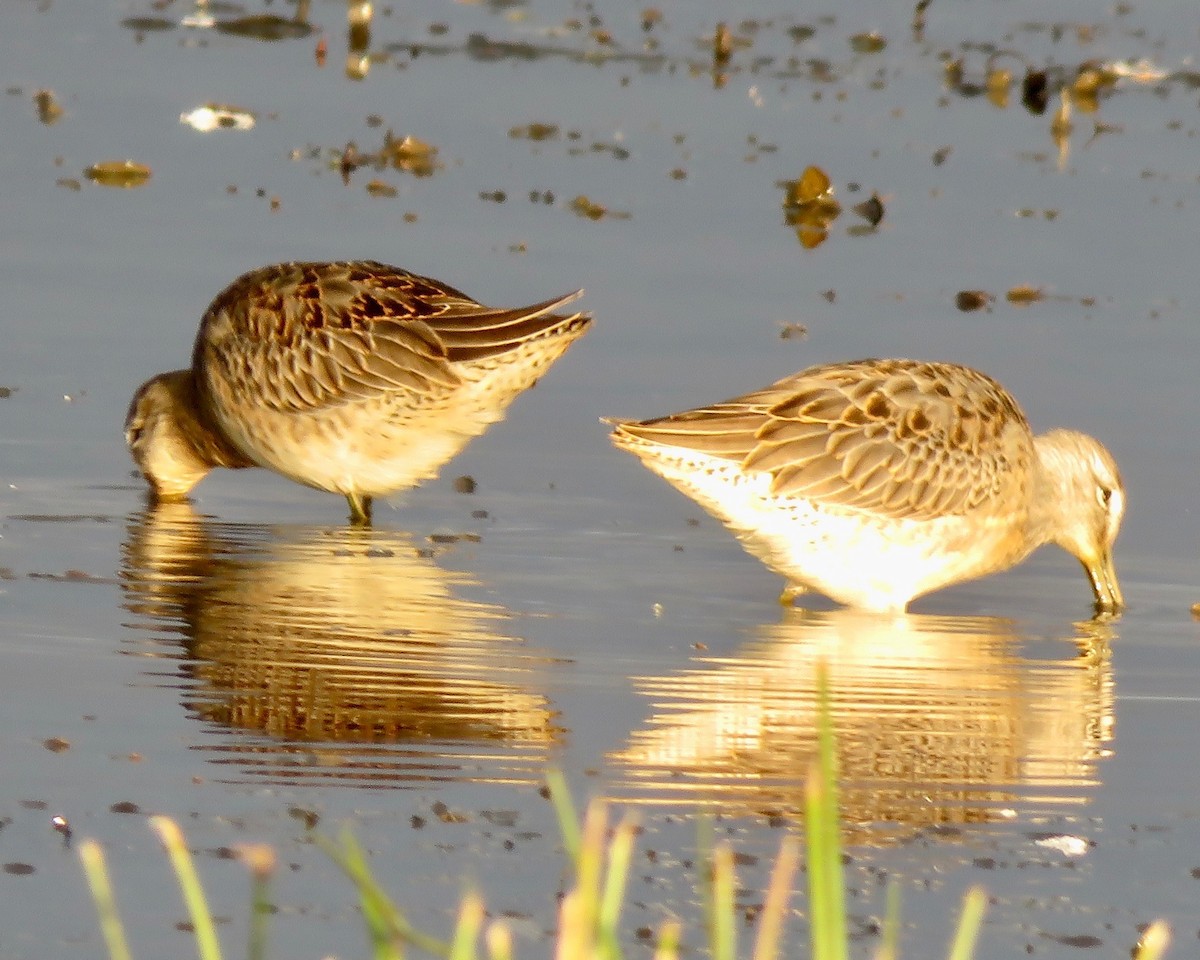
{"x": 250, "y": 664}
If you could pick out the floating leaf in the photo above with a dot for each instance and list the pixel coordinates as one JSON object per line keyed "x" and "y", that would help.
{"x": 867, "y": 42}
{"x": 813, "y": 185}
{"x": 1023, "y": 295}
{"x": 998, "y": 82}
{"x": 587, "y": 208}
{"x": 118, "y": 173}
{"x": 722, "y": 44}
{"x": 809, "y": 206}
{"x": 535, "y": 131}
{"x": 584, "y": 207}
{"x": 411, "y": 155}
{"x": 48, "y": 109}
{"x": 380, "y": 188}
{"x": 1092, "y": 77}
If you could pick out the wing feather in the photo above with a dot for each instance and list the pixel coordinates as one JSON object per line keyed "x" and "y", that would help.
{"x": 896, "y": 438}
{"x": 301, "y": 337}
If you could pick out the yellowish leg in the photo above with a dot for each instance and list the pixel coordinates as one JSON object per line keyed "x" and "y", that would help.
{"x": 791, "y": 592}
{"x": 360, "y": 509}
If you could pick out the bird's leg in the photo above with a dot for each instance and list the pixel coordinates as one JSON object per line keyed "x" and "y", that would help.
{"x": 791, "y": 592}
{"x": 360, "y": 509}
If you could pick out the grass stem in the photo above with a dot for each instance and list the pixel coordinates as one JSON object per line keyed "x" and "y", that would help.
{"x": 208, "y": 946}
{"x": 96, "y": 872}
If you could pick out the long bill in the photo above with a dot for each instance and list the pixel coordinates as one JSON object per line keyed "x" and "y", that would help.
{"x": 1103, "y": 576}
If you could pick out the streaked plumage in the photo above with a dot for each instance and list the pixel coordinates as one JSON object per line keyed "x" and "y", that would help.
{"x": 353, "y": 377}
{"x": 878, "y": 481}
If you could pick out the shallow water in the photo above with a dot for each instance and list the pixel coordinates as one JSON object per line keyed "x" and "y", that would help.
{"x": 250, "y": 664}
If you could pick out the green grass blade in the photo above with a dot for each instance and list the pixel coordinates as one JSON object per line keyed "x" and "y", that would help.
{"x": 466, "y": 931}
{"x": 387, "y": 926}
{"x": 969, "y": 922}
{"x": 499, "y": 941}
{"x": 96, "y": 872}
{"x": 705, "y": 833}
{"x": 1154, "y": 942}
{"x": 608, "y": 917}
{"x": 724, "y": 926}
{"x": 668, "y": 941}
{"x": 208, "y": 946}
{"x": 591, "y": 868}
{"x": 826, "y": 888}
{"x": 771, "y": 920}
{"x": 260, "y": 859}
{"x": 564, "y": 810}
{"x": 889, "y": 947}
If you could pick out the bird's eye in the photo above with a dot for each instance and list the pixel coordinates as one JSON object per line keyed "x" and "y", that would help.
{"x": 133, "y": 434}
{"x": 1104, "y": 496}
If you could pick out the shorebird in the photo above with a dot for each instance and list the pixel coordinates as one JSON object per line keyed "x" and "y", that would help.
{"x": 878, "y": 481}
{"x": 352, "y": 377}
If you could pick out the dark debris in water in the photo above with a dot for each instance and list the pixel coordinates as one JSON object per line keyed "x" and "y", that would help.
{"x": 49, "y": 110}
{"x": 870, "y": 210}
{"x": 446, "y": 815}
{"x": 310, "y": 818}
{"x": 1083, "y": 940}
{"x": 969, "y": 301}
{"x": 445, "y": 538}
{"x": 61, "y": 517}
{"x": 590, "y": 210}
{"x": 868, "y": 43}
{"x": 266, "y": 27}
{"x": 535, "y": 132}
{"x": 124, "y": 806}
{"x": 148, "y": 24}
{"x": 74, "y": 576}
{"x": 500, "y": 818}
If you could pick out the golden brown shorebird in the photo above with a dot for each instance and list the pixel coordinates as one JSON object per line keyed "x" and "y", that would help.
{"x": 878, "y": 481}
{"x": 352, "y": 377}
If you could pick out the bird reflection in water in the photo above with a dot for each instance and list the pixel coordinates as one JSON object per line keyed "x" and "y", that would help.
{"x": 938, "y": 721}
{"x": 348, "y": 648}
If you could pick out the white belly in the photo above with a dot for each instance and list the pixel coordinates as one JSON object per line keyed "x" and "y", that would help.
{"x": 863, "y": 560}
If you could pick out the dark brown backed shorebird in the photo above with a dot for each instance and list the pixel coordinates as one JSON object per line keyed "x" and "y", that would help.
{"x": 878, "y": 481}
{"x": 353, "y": 377}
